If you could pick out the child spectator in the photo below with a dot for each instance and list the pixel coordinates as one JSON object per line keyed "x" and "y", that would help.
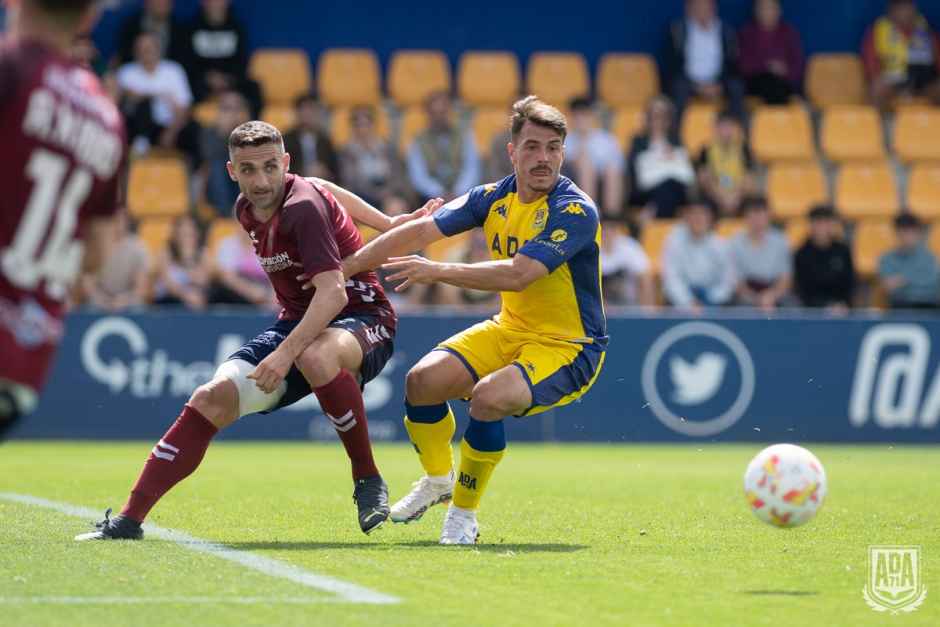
{"x": 761, "y": 257}
{"x": 824, "y": 270}
{"x": 909, "y": 273}
{"x": 726, "y": 166}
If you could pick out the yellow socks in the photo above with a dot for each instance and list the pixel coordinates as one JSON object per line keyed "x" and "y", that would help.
{"x": 431, "y": 429}
{"x": 482, "y": 447}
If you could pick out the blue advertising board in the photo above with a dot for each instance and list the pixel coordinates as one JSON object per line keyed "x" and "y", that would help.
{"x": 732, "y": 378}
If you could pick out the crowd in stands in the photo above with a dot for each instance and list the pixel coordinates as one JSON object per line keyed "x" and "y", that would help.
{"x": 744, "y": 174}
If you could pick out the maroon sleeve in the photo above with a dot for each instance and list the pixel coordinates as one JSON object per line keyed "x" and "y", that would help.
{"x": 312, "y": 228}
{"x": 6, "y": 70}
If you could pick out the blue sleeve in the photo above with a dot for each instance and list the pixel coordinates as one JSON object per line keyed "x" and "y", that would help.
{"x": 463, "y": 213}
{"x": 572, "y": 226}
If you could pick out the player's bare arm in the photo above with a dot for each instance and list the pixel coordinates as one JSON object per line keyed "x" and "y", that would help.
{"x": 364, "y": 213}
{"x": 505, "y": 275}
{"x": 328, "y": 300}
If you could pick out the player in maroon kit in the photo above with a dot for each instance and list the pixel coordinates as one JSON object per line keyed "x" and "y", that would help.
{"x": 330, "y": 342}
{"x": 63, "y": 143}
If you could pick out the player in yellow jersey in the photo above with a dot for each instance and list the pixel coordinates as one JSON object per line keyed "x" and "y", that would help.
{"x": 546, "y": 346}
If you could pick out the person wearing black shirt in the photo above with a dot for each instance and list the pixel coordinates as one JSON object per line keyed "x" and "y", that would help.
{"x": 825, "y": 273}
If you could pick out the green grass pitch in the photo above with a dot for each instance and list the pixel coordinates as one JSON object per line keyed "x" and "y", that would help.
{"x": 594, "y": 535}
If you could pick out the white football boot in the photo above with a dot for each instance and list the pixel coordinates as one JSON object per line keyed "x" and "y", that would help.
{"x": 425, "y": 493}
{"x": 460, "y": 526}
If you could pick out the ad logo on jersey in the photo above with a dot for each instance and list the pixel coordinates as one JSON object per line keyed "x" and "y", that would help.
{"x": 698, "y": 378}
{"x": 275, "y": 263}
{"x": 891, "y": 385}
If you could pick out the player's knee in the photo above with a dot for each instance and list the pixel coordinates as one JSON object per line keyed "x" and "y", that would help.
{"x": 419, "y": 385}
{"x": 214, "y": 401}
{"x": 318, "y": 366}
{"x": 491, "y": 401}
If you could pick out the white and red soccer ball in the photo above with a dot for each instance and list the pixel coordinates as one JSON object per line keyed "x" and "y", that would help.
{"x": 785, "y": 485}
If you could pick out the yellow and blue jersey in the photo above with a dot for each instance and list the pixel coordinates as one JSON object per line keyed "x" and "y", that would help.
{"x": 562, "y": 231}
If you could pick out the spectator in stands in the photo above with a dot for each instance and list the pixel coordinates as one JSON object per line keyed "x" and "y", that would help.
{"x": 179, "y": 275}
{"x": 236, "y": 275}
{"x": 824, "y": 270}
{"x": 625, "y": 268}
{"x": 369, "y": 165}
{"x": 594, "y": 158}
{"x": 659, "y": 171}
{"x": 215, "y": 54}
{"x": 214, "y": 185}
{"x": 902, "y": 55}
{"x": 909, "y": 273}
{"x": 761, "y": 257}
{"x": 155, "y": 98}
{"x": 122, "y": 280}
{"x": 308, "y": 143}
{"x": 702, "y": 59}
{"x": 498, "y": 164}
{"x": 726, "y": 167}
{"x": 697, "y": 269}
{"x": 771, "y": 55}
{"x": 443, "y": 160}
{"x": 155, "y": 17}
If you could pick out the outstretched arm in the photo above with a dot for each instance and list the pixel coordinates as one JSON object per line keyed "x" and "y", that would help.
{"x": 363, "y": 212}
{"x": 505, "y": 275}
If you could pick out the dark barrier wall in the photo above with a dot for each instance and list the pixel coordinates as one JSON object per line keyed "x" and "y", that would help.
{"x": 666, "y": 379}
{"x": 592, "y": 28}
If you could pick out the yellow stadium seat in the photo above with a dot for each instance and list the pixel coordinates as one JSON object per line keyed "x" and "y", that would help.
{"x": 933, "y": 238}
{"x": 558, "y": 77}
{"x": 627, "y": 80}
{"x": 341, "y": 126}
{"x": 835, "y": 79}
{"x": 872, "y": 239}
{"x": 155, "y": 233}
{"x": 220, "y": 229}
{"x": 728, "y": 228}
{"x": 852, "y": 133}
{"x": 782, "y": 133}
{"x": 698, "y": 126}
{"x": 917, "y": 134}
{"x": 797, "y": 230}
{"x": 867, "y": 191}
{"x": 653, "y": 239}
{"x": 413, "y": 121}
{"x": 488, "y": 78}
{"x": 281, "y": 116}
{"x": 413, "y": 75}
{"x": 284, "y": 74}
{"x": 923, "y": 190}
{"x": 205, "y": 112}
{"x": 793, "y": 188}
{"x": 349, "y": 76}
{"x": 627, "y": 123}
{"x": 157, "y": 187}
{"x": 487, "y": 124}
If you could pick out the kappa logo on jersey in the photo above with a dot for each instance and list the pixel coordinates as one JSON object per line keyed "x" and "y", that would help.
{"x": 574, "y": 209}
{"x": 489, "y": 188}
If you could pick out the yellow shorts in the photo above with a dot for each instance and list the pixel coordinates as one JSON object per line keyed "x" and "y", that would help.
{"x": 558, "y": 372}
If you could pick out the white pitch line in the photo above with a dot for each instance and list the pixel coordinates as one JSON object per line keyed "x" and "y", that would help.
{"x": 182, "y": 600}
{"x": 266, "y": 565}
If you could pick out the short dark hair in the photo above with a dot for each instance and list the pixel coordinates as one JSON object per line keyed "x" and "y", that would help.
{"x": 540, "y": 113}
{"x": 727, "y": 115}
{"x": 580, "y": 104}
{"x": 822, "y": 212}
{"x": 255, "y": 133}
{"x": 755, "y": 202}
{"x": 907, "y": 220}
{"x": 65, "y": 9}
{"x": 303, "y": 99}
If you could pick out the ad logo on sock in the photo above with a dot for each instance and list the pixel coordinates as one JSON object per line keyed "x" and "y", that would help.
{"x": 467, "y": 481}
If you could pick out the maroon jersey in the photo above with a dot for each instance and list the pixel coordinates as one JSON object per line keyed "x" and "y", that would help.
{"x": 63, "y": 143}
{"x": 311, "y": 233}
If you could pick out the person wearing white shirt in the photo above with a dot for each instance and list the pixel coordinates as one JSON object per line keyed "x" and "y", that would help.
{"x": 155, "y": 96}
{"x": 625, "y": 268}
{"x": 598, "y": 162}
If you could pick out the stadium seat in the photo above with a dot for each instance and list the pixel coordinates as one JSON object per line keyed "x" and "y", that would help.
{"x": 284, "y": 74}
{"x": 698, "y": 125}
{"x": 835, "y": 79}
{"x": 917, "y": 134}
{"x": 872, "y": 239}
{"x": 627, "y": 122}
{"x": 729, "y": 227}
{"x": 488, "y": 79}
{"x": 923, "y": 191}
{"x": 781, "y": 134}
{"x": 933, "y": 238}
{"x": 281, "y": 116}
{"x": 867, "y": 191}
{"x": 155, "y": 233}
{"x": 487, "y": 124}
{"x": 413, "y": 121}
{"x": 157, "y": 187}
{"x": 627, "y": 80}
{"x": 218, "y": 231}
{"x": 852, "y": 133}
{"x": 558, "y": 77}
{"x": 205, "y": 112}
{"x": 653, "y": 238}
{"x": 793, "y": 188}
{"x": 415, "y": 74}
{"x": 349, "y": 76}
{"x": 796, "y": 230}
{"x": 341, "y": 130}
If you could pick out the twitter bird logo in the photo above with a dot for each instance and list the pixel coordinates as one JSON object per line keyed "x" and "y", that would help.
{"x": 697, "y": 382}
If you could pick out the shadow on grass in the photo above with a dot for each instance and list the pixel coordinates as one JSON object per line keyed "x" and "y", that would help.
{"x": 524, "y": 547}
{"x": 781, "y": 593}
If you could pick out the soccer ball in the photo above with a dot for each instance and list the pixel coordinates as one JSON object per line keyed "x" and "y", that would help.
{"x": 785, "y": 485}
